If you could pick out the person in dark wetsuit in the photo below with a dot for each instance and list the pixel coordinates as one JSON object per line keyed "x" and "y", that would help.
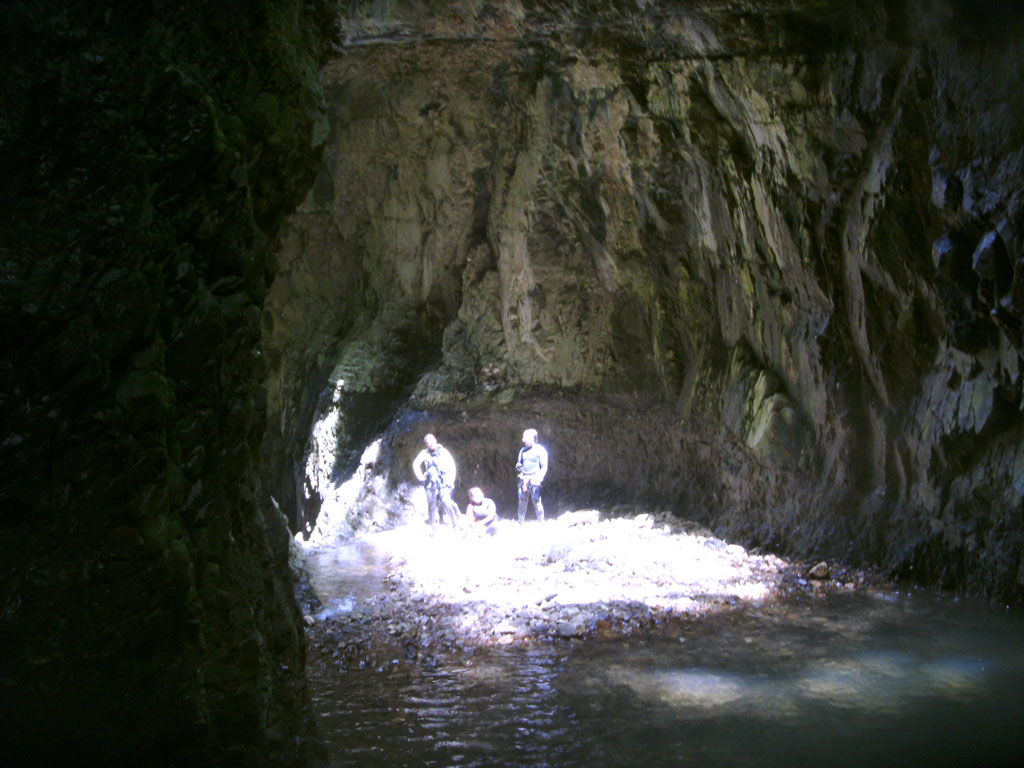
{"x": 531, "y": 467}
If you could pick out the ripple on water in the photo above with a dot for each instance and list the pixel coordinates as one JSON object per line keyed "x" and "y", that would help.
{"x": 858, "y": 680}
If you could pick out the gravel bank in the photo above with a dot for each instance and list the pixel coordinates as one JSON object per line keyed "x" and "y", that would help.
{"x": 564, "y": 580}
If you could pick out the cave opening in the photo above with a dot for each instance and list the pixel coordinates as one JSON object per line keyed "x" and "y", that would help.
{"x": 755, "y": 275}
{"x": 709, "y": 291}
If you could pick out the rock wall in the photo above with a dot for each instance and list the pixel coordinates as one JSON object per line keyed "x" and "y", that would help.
{"x": 149, "y": 152}
{"x": 759, "y": 263}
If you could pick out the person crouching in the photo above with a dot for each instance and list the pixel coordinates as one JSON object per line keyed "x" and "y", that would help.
{"x": 482, "y": 513}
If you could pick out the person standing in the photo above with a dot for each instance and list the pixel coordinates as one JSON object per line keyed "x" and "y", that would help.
{"x": 531, "y": 467}
{"x": 435, "y": 468}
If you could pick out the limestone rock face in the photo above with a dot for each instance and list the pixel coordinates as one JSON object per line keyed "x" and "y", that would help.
{"x": 148, "y": 153}
{"x": 759, "y": 263}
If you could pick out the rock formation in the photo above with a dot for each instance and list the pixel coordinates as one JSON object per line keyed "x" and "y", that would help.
{"x": 756, "y": 263}
{"x": 149, "y": 153}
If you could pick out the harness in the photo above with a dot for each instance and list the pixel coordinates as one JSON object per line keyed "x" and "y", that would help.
{"x": 434, "y": 473}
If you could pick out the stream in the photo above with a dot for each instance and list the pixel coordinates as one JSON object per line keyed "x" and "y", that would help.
{"x": 868, "y": 678}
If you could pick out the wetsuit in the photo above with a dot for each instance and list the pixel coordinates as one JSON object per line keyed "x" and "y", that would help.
{"x": 436, "y": 470}
{"x": 485, "y": 516}
{"x": 531, "y": 467}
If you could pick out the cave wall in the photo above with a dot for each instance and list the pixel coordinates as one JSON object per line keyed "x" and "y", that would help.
{"x": 149, "y": 152}
{"x": 788, "y": 234}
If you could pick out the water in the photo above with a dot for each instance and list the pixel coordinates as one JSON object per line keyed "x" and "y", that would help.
{"x": 850, "y": 680}
{"x": 344, "y": 575}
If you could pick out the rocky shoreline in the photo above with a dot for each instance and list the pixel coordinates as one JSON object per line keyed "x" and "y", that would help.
{"x": 579, "y": 576}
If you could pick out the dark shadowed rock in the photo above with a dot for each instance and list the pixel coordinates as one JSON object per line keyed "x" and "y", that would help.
{"x": 947, "y": 189}
{"x": 991, "y": 262}
{"x": 149, "y": 154}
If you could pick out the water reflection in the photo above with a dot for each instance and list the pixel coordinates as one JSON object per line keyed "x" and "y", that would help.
{"x": 882, "y": 682}
{"x": 847, "y": 681}
{"x": 500, "y": 709}
{"x": 852, "y": 680}
{"x": 344, "y": 576}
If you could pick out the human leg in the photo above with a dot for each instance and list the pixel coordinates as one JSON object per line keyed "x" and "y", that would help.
{"x": 451, "y": 507}
{"x": 432, "y": 510}
{"x": 524, "y": 499}
{"x": 538, "y": 505}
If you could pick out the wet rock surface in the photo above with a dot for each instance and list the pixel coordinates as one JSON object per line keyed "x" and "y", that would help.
{"x": 577, "y": 577}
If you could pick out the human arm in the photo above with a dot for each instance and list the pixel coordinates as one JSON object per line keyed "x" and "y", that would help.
{"x": 483, "y": 513}
{"x": 417, "y": 466}
{"x": 542, "y": 465}
{"x": 446, "y": 466}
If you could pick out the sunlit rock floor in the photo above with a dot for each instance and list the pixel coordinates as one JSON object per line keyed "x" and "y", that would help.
{"x": 563, "y": 580}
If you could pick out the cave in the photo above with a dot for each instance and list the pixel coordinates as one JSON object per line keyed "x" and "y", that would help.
{"x": 755, "y": 264}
